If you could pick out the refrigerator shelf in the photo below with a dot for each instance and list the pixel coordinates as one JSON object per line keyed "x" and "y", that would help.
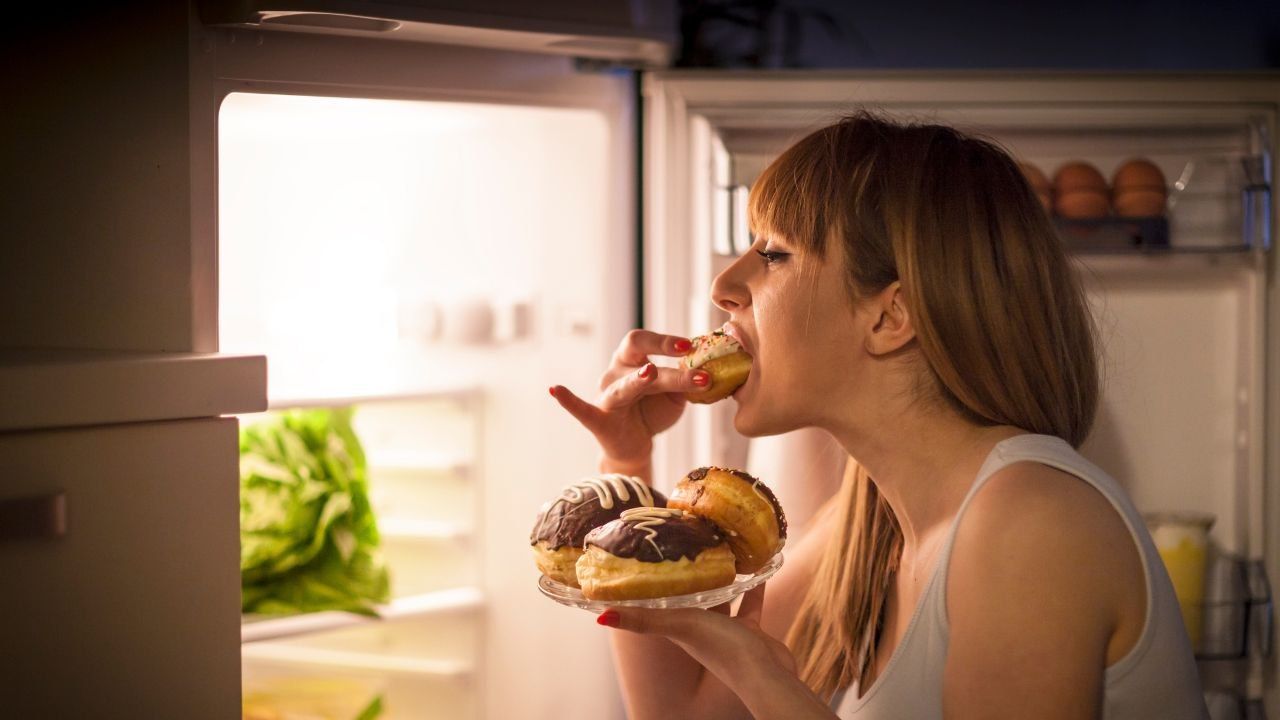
{"x": 463, "y": 395}
{"x": 347, "y": 660}
{"x": 254, "y": 629}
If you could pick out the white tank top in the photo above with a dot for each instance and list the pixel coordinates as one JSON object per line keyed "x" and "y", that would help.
{"x": 1156, "y": 680}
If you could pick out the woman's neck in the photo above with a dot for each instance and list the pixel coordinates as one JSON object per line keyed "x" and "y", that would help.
{"x": 923, "y": 463}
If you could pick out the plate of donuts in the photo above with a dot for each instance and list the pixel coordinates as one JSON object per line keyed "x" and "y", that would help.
{"x": 573, "y": 597}
{"x": 613, "y": 541}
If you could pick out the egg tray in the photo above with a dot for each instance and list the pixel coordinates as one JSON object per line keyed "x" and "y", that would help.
{"x": 1114, "y": 234}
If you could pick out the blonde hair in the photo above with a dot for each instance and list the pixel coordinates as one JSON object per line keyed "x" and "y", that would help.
{"x": 1000, "y": 319}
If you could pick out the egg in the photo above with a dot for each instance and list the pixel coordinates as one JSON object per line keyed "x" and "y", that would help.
{"x": 1039, "y": 183}
{"x": 1138, "y": 174}
{"x": 1080, "y": 192}
{"x": 1082, "y": 204}
{"x": 1139, "y": 203}
{"x": 1078, "y": 176}
{"x": 1138, "y": 189}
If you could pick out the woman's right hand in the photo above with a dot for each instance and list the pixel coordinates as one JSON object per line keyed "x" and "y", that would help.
{"x": 637, "y": 399}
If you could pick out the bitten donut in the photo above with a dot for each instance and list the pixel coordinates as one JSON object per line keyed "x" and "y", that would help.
{"x": 721, "y": 357}
{"x": 654, "y": 552}
{"x": 740, "y": 505}
{"x": 563, "y": 523}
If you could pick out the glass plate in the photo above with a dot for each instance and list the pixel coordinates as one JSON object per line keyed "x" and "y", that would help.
{"x": 572, "y": 597}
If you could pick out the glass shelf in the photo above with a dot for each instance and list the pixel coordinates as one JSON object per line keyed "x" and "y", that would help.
{"x": 258, "y": 628}
{"x": 337, "y": 660}
{"x": 460, "y": 394}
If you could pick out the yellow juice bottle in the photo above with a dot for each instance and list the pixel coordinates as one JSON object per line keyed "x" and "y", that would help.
{"x": 1183, "y": 542}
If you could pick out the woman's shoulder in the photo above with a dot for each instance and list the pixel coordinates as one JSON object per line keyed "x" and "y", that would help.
{"x": 1034, "y": 531}
{"x": 1034, "y": 499}
{"x": 1028, "y": 508}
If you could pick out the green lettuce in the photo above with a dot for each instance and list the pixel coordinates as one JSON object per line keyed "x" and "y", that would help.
{"x": 308, "y": 537}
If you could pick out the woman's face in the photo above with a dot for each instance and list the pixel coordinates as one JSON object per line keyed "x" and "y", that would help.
{"x": 793, "y": 313}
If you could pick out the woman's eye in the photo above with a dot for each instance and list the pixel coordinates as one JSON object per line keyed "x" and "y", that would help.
{"x": 771, "y": 256}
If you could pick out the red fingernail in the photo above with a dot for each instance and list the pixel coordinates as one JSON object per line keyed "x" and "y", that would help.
{"x": 608, "y": 618}
{"x": 647, "y": 371}
{"x": 683, "y": 346}
{"x": 701, "y": 379}
{"x": 552, "y": 390}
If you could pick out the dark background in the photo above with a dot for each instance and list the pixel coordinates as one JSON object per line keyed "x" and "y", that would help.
{"x": 981, "y": 34}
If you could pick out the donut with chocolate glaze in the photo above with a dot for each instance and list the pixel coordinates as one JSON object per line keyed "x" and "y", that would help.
{"x": 740, "y": 505}
{"x": 654, "y": 552}
{"x": 721, "y": 357}
{"x": 563, "y": 523}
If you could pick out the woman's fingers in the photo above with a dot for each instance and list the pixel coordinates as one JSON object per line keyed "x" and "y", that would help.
{"x": 682, "y": 625}
{"x": 584, "y": 412}
{"x": 650, "y": 379}
{"x": 638, "y": 345}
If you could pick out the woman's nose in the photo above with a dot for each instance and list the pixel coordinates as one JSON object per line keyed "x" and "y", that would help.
{"x": 729, "y": 289}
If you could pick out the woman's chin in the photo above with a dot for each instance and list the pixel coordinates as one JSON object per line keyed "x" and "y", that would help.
{"x": 750, "y": 429}
{"x": 749, "y": 421}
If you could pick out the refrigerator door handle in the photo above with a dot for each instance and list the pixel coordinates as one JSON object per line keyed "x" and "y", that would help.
{"x": 38, "y": 517}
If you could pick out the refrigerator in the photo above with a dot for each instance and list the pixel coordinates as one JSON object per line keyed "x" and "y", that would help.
{"x": 430, "y": 214}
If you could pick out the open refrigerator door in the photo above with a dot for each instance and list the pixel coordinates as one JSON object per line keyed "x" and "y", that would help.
{"x": 421, "y": 240}
{"x": 1184, "y": 297}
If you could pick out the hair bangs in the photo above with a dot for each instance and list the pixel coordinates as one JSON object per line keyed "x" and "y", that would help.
{"x": 783, "y": 201}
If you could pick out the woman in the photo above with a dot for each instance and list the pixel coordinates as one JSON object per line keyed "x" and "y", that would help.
{"x": 907, "y": 294}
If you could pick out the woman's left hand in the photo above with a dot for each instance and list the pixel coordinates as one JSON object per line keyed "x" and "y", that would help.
{"x": 758, "y": 668}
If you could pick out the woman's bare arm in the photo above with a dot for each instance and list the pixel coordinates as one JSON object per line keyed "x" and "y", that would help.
{"x": 1043, "y": 576}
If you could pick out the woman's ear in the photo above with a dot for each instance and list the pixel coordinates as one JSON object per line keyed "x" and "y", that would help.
{"x": 893, "y": 328}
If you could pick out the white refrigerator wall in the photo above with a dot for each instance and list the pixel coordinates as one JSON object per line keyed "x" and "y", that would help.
{"x": 381, "y": 248}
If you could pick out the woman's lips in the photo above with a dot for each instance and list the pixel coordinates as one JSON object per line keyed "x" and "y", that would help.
{"x": 735, "y": 332}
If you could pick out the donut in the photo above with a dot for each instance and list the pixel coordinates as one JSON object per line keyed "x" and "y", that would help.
{"x": 563, "y": 523}
{"x": 723, "y": 359}
{"x": 743, "y": 507}
{"x": 654, "y": 552}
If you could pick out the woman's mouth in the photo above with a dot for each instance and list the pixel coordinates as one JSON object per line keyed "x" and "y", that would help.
{"x": 736, "y": 333}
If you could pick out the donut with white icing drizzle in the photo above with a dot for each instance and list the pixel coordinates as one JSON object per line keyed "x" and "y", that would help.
{"x": 563, "y": 522}
{"x": 654, "y": 552}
